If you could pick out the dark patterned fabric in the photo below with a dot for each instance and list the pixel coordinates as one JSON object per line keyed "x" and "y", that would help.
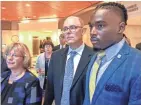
{"x": 5, "y": 93}
{"x": 25, "y": 91}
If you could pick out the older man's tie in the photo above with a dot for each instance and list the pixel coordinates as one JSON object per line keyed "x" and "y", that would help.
{"x": 92, "y": 82}
{"x": 68, "y": 78}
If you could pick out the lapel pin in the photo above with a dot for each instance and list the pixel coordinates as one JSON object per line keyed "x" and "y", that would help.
{"x": 118, "y": 56}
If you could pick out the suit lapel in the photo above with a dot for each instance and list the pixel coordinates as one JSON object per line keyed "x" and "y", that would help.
{"x": 114, "y": 65}
{"x": 84, "y": 60}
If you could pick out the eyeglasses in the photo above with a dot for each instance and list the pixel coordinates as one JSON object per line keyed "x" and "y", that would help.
{"x": 72, "y": 28}
{"x": 47, "y": 46}
{"x": 13, "y": 55}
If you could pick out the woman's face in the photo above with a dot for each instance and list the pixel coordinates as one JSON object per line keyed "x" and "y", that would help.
{"x": 48, "y": 48}
{"x": 15, "y": 59}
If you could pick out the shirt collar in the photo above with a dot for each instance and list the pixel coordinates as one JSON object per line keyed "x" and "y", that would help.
{"x": 62, "y": 46}
{"x": 113, "y": 50}
{"x": 79, "y": 50}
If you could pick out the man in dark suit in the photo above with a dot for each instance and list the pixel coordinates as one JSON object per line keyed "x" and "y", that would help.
{"x": 114, "y": 73}
{"x": 63, "y": 85}
{"x": 138, "y": 46}
{"x": 62, "y": 43}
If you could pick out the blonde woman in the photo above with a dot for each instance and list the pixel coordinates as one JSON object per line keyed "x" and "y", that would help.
{"x": 18, "y": 85}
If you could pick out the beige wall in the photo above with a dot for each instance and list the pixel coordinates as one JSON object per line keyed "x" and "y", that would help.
{"x": 27, "y": 31}
{"x": 35, "y": 25}
{"x": 133, "y": 32}
{"x": 27, "y": 37}
{"x": 86, "y": 37}
{"x": 7, "y": 36}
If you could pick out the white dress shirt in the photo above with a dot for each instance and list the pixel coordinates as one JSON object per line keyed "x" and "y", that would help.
{"x": 62, "y": 46}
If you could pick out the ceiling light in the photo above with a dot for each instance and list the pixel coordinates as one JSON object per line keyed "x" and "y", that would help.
{"x": 25, "y": 18}
{"x": 25, "y": 21}
{"x": 3, "y": 8}
{"x": 27, "y": 5}
{"x": 54, "y": 15}
{"x": 47, "y": 20}
{"x": 48, "y": 31}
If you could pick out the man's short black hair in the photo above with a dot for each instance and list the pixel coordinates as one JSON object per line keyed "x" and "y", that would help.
{"x": 115, "y": 6}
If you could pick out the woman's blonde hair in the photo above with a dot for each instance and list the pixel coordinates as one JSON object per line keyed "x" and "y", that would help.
{"x": 23, "y": 50}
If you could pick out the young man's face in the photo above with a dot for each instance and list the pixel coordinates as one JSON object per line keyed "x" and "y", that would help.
{"x": 104, "y": 28}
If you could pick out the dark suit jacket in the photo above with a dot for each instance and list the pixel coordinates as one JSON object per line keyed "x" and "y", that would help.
{"x": 56, "y": 75}
{"x": 138, "y": 46}
{"x": 58, "y": 47}
{"x": 3, "y": 65}
{"x": 121, "y": 82}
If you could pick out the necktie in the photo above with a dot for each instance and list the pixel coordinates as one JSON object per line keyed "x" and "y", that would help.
{"x": 68, "y": 78}
{"x": 92, "y": 82}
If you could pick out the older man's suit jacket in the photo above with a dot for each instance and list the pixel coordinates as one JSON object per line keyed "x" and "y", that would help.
{"x": 121, "y": 82}
{"x": 56, "y": 76}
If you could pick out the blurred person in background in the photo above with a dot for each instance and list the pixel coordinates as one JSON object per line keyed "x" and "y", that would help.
{"x": 42, "y": 45}
{"x": 18, "y": 85}
{"x": 42, "y": 63}
{"x": 62, "y": 43}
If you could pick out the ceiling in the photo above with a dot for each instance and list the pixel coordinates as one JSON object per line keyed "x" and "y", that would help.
{"x": 19, "y": 10}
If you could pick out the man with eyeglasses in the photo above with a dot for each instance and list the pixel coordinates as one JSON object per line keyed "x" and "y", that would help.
{"x": 66, "y": 75}
{"x": 62, "y": 43}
